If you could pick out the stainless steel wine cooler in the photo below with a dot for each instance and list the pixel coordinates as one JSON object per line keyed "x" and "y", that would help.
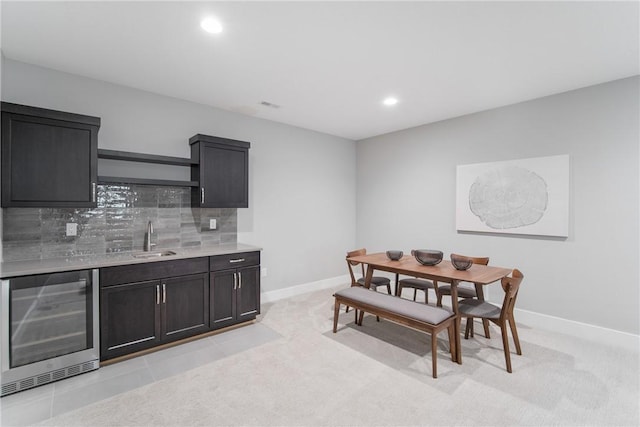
{"x": 49, "y": 327}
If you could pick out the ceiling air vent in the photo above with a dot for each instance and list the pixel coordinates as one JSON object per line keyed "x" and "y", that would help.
{"x": 269, "y": 104}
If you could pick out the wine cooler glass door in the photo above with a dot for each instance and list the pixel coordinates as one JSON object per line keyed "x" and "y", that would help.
{"x": 50, "y": 316}
{"x": 49, "y": 327}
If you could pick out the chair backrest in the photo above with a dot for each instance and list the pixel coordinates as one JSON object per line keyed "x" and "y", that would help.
{"x": 510, "y": 285}
{"x": 351, "y": 265}
{"x": 476, "y": 260}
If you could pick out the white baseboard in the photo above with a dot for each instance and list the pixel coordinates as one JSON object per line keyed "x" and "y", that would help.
{"x": 536, "y": 320}
{"x": 304, "y": 288}
{"x": 578, "y": 329}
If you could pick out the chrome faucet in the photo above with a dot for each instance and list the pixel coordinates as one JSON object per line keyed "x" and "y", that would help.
{"x": 147, "y": 238}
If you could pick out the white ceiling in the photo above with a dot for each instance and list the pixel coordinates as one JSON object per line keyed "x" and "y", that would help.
{"x": 330, "y": 64}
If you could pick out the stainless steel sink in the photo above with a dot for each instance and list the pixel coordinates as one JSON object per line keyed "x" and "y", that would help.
{"x": 155, "y": 254}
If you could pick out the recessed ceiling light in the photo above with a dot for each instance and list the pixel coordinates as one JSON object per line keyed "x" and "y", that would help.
{"x": 211, "y": 25}
{"x": 390, "y": 101}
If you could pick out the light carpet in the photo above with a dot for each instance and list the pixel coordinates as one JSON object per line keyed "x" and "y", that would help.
{"x": 380, "y": 374}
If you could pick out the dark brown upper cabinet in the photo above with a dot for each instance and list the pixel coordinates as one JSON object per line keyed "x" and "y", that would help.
{"x": 222, "y": 171}
{"x": 49, "y": 158}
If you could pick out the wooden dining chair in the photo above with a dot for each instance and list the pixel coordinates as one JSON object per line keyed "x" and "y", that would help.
{"x": 464, "y": 291}
{"x": 472, "y": 308}
{"x": 418, "y": 284}
{"x": 376, "y": 281}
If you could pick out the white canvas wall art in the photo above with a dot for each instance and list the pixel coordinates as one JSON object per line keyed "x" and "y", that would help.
{"x": 526, "y": 196}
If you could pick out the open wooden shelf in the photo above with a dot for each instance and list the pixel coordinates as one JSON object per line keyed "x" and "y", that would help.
{"x": 145, "y": 158}
{"x": 145, "y": 181}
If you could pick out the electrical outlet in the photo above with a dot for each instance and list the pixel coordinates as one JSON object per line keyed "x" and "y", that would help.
{"x": 213, "y": 224}
{"x": 263, "y": 272}
{"x": 72, "y": 229}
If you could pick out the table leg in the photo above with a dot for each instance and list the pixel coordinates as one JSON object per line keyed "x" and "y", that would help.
{"x": 480, "y": 296}
{"x": 395, "y": 292}
{"x": 454, "y": 303}
{"x": 368, "y": 276}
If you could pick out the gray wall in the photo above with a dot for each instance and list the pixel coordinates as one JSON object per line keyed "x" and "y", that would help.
{"x": 303, "y": 192}
{"x": 406, "y": 197}
{"x": 302, "y": 183}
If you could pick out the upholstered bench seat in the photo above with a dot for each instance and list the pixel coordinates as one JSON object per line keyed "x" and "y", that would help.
{"x": 413, "y": 310}
{"x": 419, "y": 316}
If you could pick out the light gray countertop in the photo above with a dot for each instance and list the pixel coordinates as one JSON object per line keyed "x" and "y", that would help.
{"x": 25, "y": 268}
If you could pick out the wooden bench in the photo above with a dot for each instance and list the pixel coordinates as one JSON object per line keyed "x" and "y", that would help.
{"x": 415, "y": 315}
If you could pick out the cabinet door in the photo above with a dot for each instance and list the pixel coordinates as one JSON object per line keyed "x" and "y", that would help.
{"x": 223, "y": 298}
{"x": 129, "y": 318}
{"x": 47, "y": 162}
{"x": 248, "y": 293}
{"x": 224, "y": 177}
{"x": 185, "y": 306}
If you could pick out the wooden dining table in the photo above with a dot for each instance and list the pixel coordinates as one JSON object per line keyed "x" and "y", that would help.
{"x": 480, "y": 275}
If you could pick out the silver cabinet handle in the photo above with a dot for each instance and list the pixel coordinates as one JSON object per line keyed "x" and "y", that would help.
{"x": 157, "y": 294}
{"x": 164, "y": 293}
{"x": 93, "y": 192}
{"x": 239, "y": 280}
{"x": 236, "y": 260}
{"x": 201, "y": 194}
{"x": 235, "y": 281}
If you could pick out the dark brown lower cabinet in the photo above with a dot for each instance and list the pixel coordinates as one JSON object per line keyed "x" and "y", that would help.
{"x": 248, "y": 295}
{"x": 185, "y": 309}
{"x": 171, "y": 300}
{"x": 129, "y": 318}
{"x": 235, "y": 293}
{"x": 141, "y": 315}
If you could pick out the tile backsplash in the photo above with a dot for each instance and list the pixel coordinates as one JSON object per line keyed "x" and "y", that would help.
{"x": 117, "y": 224}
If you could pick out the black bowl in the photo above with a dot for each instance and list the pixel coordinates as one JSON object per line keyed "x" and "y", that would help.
{"x": 461, "y": 262}
{"x": 427, "y": 256}
{"x": 394, "y": 255}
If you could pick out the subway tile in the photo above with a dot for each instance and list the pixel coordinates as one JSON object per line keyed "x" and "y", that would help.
{"x": 228, "y": 237}
{"x": 90, "y": 232}
{"x": 169, "y": 197}
{"x": 115, "y": 196}
{"x": 188, "y": 228}
{"x": 189, "y": 239}
{"x": 117, "y": 247}
{"x": 190, "y": 244}
{"x": 170, "y": 242}
{"x": 112, "y": 234}
{"x": 57, "y": 237}
{"x": 9, "y": 213}
{"x": 91, "y": 248}
{"x": 185, "y": 201}
{"x": 118, "y": 224}
{"x": 19, "y": 253}
{"x": 19, "y": 234}
{"x": 211, "y": 212}
{"x": 169, "y": 213}
{"x": 93, "y": 214}
{"x": 143, "y": 196}
{"x": 116, "y": 214}
{"x": 211, "y": 238}
{"x": 58, "y": 251}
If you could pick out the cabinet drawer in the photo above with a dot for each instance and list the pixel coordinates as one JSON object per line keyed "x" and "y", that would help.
{"x": 153, "y": 270}
{"x": 243, "y": 259}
